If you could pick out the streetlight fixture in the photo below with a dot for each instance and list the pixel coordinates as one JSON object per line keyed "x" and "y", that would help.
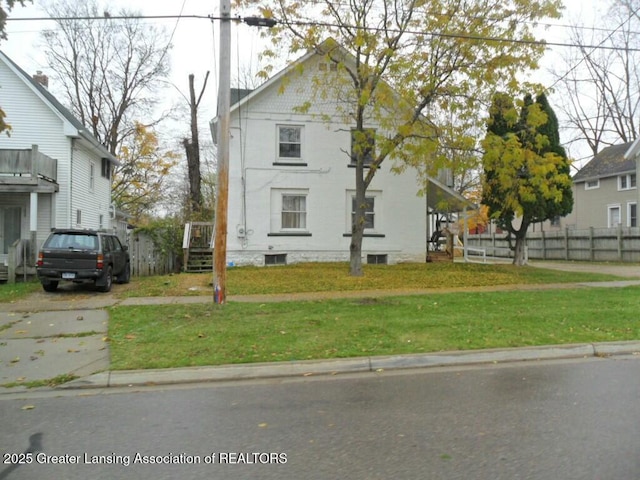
{"x": 224, "y": 107}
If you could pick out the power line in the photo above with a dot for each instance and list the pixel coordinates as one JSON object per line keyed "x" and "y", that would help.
{"x": 593, "y": 48}
{"x": 239, "y": 19}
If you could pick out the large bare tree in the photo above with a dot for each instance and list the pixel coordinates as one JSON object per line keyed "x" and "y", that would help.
{"x": 109, "y": 71}
{"x": 598, "y": 84}
{"x": 5, "y": 7}
{"x": 192, "y": 148}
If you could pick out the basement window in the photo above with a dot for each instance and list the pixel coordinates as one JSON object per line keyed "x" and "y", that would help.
{"x": 377, "y": 259}
{"x": 275, "y": 259}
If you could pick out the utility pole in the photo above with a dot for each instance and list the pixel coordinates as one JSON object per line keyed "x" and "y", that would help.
{"x": 224, "y": 120}
{"x": 222, "y": 194}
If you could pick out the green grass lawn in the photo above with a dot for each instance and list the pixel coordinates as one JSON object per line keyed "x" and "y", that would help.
{"x": 190, "y": 335}
{"x": 14, "y": 291}
{"x": 325, "y": 277}
{"x": 206, "y": 334}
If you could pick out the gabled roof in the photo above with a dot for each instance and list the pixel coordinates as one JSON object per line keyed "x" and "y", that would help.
{"x": 238, "y": 94}
{"x": 58, "y": 108}
{"x": 610, "y": 162}
{"x": 634, "y": 150}
{"x": 241, "y": 99}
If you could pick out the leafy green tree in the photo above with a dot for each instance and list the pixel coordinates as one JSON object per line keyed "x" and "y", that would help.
{"x": 526, "y": 170}
{"x": 5, "y": 7}
{"x": 407, "y": 63}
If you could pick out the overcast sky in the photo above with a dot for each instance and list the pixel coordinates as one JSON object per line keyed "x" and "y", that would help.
{"x": 195, "y": 40}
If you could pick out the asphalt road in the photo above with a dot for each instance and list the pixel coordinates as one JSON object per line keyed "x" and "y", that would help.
{"x": 544, "y": 420}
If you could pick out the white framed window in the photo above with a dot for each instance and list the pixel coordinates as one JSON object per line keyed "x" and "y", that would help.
{"x": 632, "y": 214}
{"x": 372, "y": 216}
{"x": 92, "y": 176}
{"x": 289, "y": 143}
{"x": 289, "y": 211}
{"x": 627, "y": 182}
{"x": 591, "y": 184}
{"x": 294, "y": 212}
{"x": 369, "y": 214}
{"x": 105, "y": 168}
{"x": 613, "y": 216}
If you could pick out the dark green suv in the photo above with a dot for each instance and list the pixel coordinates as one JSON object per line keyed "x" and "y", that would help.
{"x": 83, "y": 256}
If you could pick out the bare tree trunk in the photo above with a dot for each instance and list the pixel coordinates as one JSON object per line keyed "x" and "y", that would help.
{"x": 521, "y": 242}
{"x": 193, "y": 153}
{"x": 357, "y": 225}
{"x": 518, "y": 253}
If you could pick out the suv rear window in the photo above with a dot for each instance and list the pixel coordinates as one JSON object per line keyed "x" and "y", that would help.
{"x": 79, "y": 241}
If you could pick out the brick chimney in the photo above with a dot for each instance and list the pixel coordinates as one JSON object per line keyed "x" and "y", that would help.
{"x": 41, "y": 78}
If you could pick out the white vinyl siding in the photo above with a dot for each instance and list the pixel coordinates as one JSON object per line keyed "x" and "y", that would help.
{"x": 91, "y": 200}
{"x": 35, "y": 121}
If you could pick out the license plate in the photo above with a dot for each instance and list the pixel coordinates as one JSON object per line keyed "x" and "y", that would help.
{"x": 68, "y": 275}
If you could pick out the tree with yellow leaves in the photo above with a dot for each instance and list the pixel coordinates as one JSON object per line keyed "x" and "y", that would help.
{"x": 526, "y": 170}
{"x": 407, "y": 61}
{"x": 138, "y": 180}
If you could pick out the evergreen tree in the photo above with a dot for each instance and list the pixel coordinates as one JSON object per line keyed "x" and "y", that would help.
{"x": 526, "y": 170}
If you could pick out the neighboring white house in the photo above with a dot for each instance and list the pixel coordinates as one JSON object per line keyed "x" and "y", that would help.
{"x": 292, "y": 181}
{"x": 53, "y": 172}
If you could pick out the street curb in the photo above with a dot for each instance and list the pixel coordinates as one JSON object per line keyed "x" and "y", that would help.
{"x": 174, "y": 376}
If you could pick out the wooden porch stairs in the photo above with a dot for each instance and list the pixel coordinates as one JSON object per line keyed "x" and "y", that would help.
{"x": 4, "y": 273}
{"x": 197, "y": 246}
{"x": 439, "y": 256}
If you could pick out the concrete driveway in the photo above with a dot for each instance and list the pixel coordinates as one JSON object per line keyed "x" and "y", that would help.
{"x": 50, "y": 335}
{"x": 45, "y": 345}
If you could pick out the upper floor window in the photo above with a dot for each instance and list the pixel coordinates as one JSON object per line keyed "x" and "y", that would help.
{"x": 92, "y": 176}
{"x": 591, "y": 184}
{"x": 627, "y": 182}
{"x": 363, "y": 145}
{"x": 105, "y": 168}
{"x": 289, "y": 142}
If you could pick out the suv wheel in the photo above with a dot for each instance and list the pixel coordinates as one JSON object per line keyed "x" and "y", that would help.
{"x": 125, "y": 276}
{"x": 50, "y": 287}
{"x": 108, "y": 281}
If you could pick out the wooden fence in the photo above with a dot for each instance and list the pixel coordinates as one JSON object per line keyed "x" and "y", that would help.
{"x": 592, "y": 244}
{"x": 147, "y": 259}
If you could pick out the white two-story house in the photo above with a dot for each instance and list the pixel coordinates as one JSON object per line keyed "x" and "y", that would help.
{"x": 53, "y": 172}
{"x": 292, "y": 180}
